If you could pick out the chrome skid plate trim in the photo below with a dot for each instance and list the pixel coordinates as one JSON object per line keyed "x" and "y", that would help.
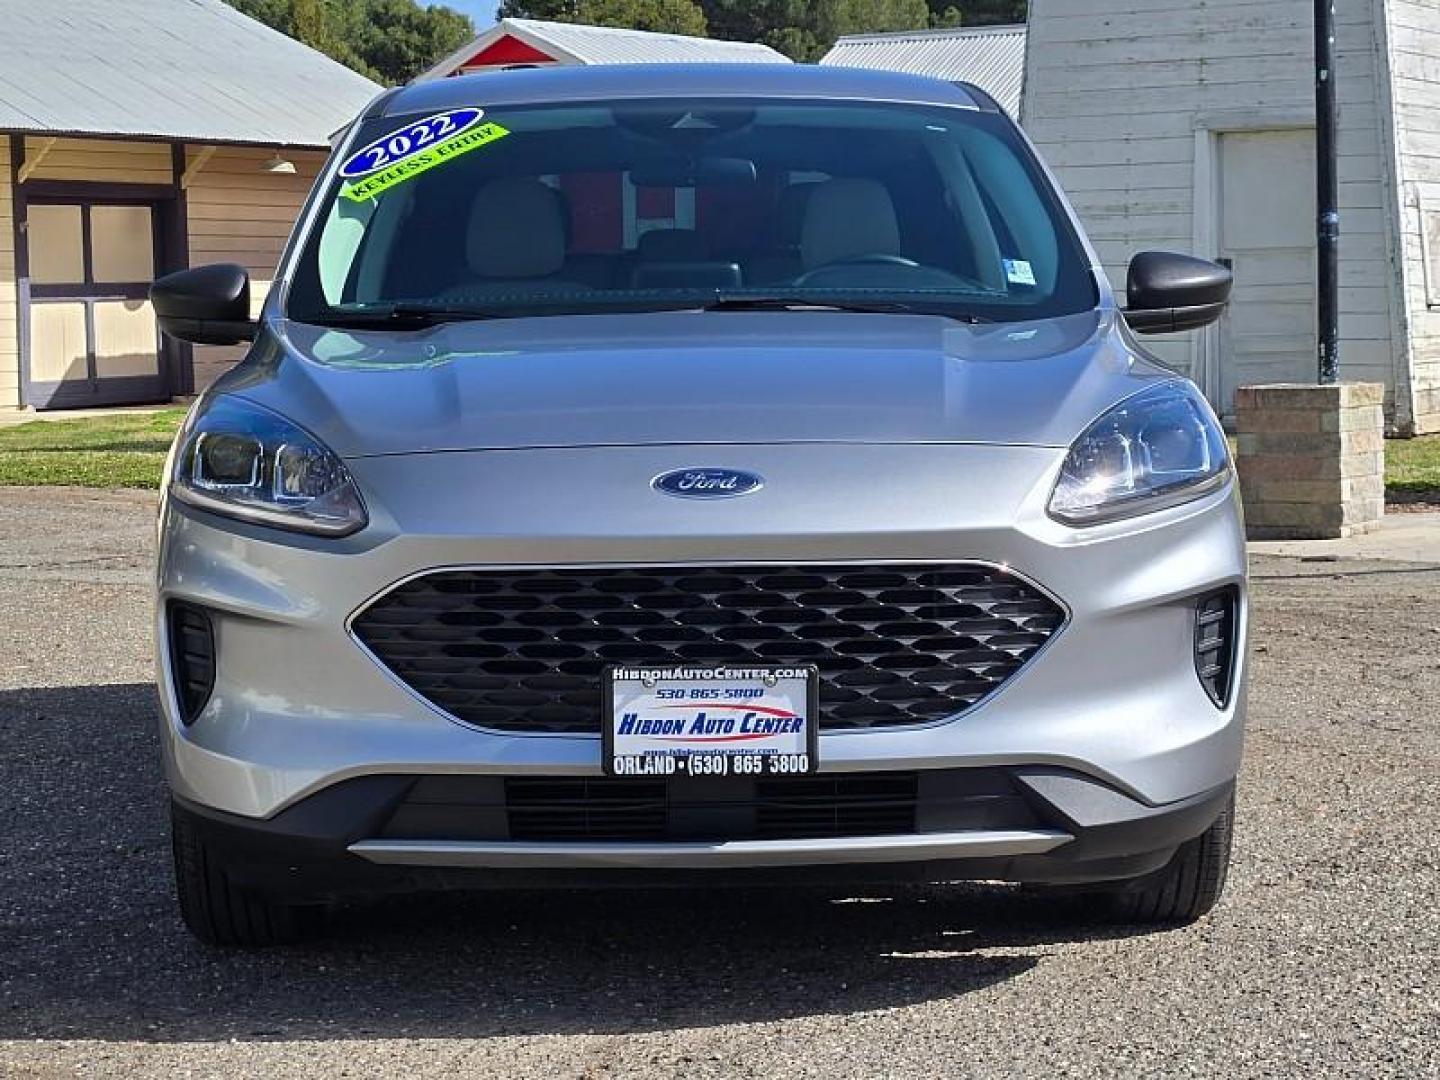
{"x": 920, "y": 847}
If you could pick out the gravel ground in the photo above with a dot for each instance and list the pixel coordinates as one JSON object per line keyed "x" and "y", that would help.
{"x": 1321, "y": 960}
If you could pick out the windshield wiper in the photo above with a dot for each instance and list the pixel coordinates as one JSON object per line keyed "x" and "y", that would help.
{"x": 864, "y": 307}
{"x": 404, "y": 316}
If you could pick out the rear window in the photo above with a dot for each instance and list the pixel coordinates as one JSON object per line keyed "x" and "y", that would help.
{"x": 547, "y": 210}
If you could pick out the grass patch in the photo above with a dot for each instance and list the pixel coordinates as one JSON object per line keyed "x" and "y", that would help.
{"x": 125, "y": 450}
{"x": 1412, "y": 469}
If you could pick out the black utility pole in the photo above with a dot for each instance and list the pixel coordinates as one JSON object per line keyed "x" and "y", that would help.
{"x": 1327, "y": 191}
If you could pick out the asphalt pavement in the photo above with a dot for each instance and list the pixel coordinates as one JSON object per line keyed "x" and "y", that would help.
{"x": 1322, "y": 959}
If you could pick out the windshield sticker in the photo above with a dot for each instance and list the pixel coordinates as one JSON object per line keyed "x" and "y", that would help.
{"x": 1019, "y": 272}
{"x": 406, "y": 153}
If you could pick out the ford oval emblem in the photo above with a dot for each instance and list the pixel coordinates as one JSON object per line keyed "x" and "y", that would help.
{"x": 707, "y": 483}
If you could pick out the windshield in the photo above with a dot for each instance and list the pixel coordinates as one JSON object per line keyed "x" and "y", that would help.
{"x": 545, "y": 210}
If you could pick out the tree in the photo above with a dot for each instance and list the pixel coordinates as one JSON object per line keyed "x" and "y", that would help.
{"x": 390, "y": 41}
{"x": 976, "y": 12}
{"x": 805, "y": 29}
{"x": 397, "y": 38}
{"x": 552, "y": 10}
{"x": 309, "y": 23}
{"x": 666, "y": 16}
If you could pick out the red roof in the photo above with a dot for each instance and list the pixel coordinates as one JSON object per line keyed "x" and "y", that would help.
{"x": 507, "y": 50}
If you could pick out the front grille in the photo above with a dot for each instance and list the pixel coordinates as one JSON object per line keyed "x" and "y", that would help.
{"x": 670, "y": 809}
{"x": 192, "y": 658}
{"x": 569, "y": 809}
{"x": 878, "y": 804}
{"x": 523, "y": 650}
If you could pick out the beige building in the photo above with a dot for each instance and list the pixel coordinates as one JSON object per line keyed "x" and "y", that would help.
{"x": 137, "y": 139}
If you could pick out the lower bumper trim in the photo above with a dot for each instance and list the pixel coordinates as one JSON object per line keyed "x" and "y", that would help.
{"x": 926, "y": 847}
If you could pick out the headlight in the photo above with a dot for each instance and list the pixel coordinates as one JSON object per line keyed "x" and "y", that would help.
{"x": 1159, "y": 448}
{"x": 239, "y": 459}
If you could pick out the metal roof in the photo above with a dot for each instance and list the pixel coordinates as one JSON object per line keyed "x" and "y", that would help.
{"x": 175, "y": 69}
{"x": 577, "y": 43}
{"x": 991, "y": 57}
{"x": 659, "y": 82}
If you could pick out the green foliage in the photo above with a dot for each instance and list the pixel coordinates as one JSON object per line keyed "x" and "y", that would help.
{"x": 273, "y": 13}
{"x": 667, "y": 16}
{"x": 805, "y": 31}
{"x": 390, "y": 41}
{"x": 552, "y": 10}
{"x": 308, "y": 23}
{"x": 948, "y": 13}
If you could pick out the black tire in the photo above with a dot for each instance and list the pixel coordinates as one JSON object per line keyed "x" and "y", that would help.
{"x": 1187, "y": 888}
{"x": 217, "y": 911}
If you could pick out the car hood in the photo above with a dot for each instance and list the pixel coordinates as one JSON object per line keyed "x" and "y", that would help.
{"x": 693, "y": 378}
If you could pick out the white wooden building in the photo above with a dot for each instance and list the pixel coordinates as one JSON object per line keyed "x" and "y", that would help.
{"x": 1191, "y": 126}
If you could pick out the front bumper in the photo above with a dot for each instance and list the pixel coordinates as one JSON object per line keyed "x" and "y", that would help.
{"x": 361, "y": 837}
{"x": 299, "y": 707}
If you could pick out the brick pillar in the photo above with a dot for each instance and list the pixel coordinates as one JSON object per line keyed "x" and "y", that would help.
{"x": 1311, "y": 459}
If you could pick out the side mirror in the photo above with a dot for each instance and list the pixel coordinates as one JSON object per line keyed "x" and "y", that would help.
{"x": 209, "y": 305}
{"x": 1169, "y": 292}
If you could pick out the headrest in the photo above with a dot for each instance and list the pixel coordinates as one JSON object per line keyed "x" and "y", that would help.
{"x": 516, "y": 230}
{"x": 790, "y": 213}
{"x": 846, "y": 218}
{"x": 671, "y": 245}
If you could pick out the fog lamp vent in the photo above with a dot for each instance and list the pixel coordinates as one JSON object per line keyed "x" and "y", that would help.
{"x": 1215, "y": 643}
{"x": 192, "y": 658}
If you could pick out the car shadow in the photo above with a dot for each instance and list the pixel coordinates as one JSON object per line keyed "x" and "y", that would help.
{"x": 91, "y": 947}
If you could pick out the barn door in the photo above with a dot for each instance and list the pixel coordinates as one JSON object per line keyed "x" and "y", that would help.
{"x": 1267, "y": 231}
{"x": 92, "y": 338}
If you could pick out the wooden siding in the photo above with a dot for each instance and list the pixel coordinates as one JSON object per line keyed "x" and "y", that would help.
{"x": 1414, "y": 52}
{"x": 9, "y": 313}
{"x": 239, "y": 213}
{"x": 101, "y": 161}
{"x": 1116, "y": 91}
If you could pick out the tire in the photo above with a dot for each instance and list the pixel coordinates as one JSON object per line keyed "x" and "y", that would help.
{"x": 217, "y": 911}
{"x": 1187, "y": 888}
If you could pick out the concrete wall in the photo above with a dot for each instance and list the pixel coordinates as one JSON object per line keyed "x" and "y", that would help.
{"x": 240, "y": 213}
{"x": 1121, "y": 95}
{"x": 1413, "y": 48}
{"x": 9, "y": 311}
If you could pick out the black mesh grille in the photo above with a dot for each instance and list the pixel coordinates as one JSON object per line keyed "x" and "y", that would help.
{"x": 192, "y": 658}
{"x": 522, "y": 650}
{"x": 670, "y": 809}
{"x": 570, "y": 809}
{"x": 877, "y": 804}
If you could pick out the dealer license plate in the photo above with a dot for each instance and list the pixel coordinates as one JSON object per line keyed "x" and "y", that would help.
{"x": 711, "y": 721}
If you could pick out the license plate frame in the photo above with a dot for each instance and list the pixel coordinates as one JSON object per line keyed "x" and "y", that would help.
{"x": 712, "y": 751}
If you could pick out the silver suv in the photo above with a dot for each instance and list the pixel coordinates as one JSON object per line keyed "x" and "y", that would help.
{"x": 697, "y": 475}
